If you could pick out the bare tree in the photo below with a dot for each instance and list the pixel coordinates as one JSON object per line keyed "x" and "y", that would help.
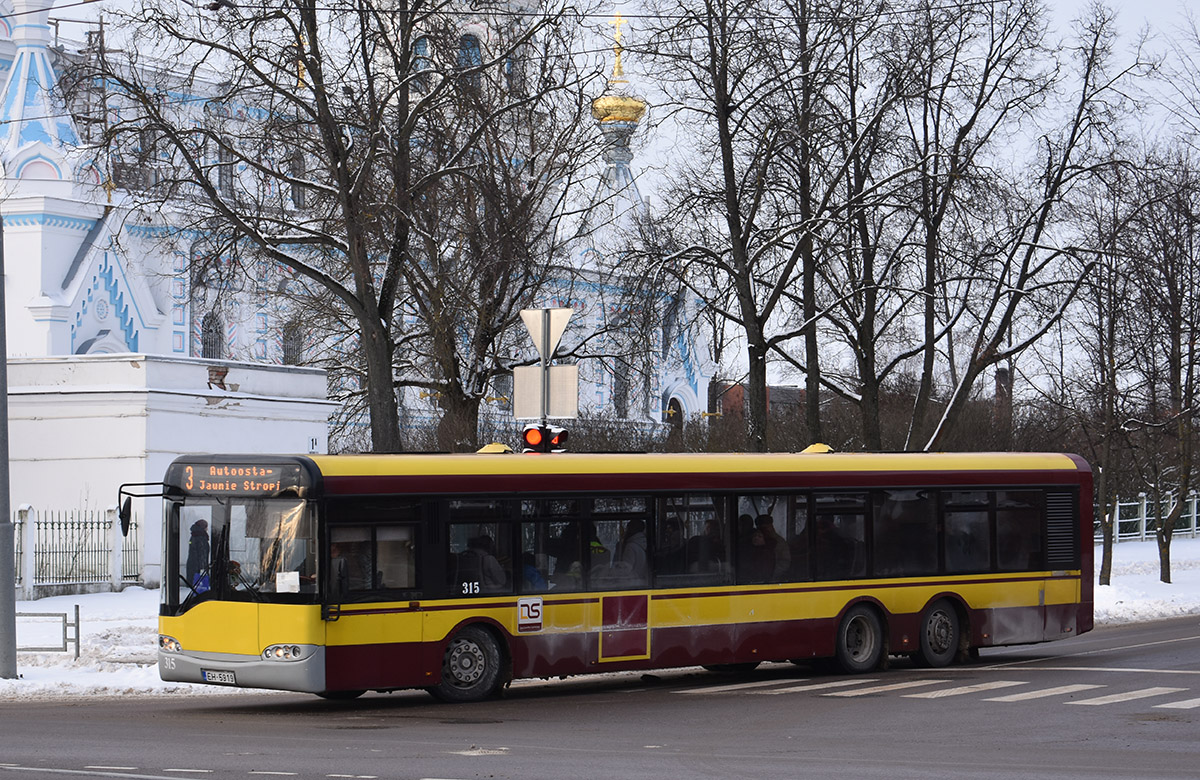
{"x": 1164, "y": 243}
{"x": 314, "y": 136}
{"x": 767, "y": 163}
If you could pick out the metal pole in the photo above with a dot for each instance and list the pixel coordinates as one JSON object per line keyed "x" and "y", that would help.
{"x": 8, "y": 577}
{"x": 545, "y": 366}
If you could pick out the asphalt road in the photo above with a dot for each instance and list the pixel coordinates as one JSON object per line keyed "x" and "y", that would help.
{"x": 1115, "y": 703}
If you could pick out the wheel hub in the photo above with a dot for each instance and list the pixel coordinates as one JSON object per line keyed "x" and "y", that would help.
{"x": 465, "y": 663}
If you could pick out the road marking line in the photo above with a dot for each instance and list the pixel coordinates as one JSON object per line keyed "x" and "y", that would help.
{"x": 122, "y": 768}
{"x": 1143, "y": 693}
{"x": 736, "y": 686}
{"x": 887, "y": 688}
{"x": 1098, "y": 651}
{"x": 1186, "y": 704}
{"x": 959, "y": 691}
{"x": 192, "y": 771}
{"x": 1083, "y": 669}
{"x": 1060, "y": 690}
{"x": 813, "y": 687}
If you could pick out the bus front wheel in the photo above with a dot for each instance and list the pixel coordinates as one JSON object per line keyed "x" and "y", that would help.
{"x": 470, "y": 667}
{"x": 940, "y": 635}
{"x": 860, "y": 643}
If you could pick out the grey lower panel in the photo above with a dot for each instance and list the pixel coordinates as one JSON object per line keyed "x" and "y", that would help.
{"x": 250, "y": 671}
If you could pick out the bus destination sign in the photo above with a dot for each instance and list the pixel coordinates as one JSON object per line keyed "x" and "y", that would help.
{"x": 234, "y": 479}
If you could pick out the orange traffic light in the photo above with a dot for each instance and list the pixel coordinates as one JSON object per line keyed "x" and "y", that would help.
{"x": 543, "y": 438}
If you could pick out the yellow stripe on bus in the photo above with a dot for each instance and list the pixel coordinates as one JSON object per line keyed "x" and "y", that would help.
{"x": 689, "y": 463}
{"x": 573, "y": 613}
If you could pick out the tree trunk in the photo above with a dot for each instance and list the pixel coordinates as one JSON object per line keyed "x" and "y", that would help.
{"x": 381, "y": 393}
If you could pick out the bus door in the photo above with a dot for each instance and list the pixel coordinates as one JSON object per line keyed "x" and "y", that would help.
{"x": 375, "y": 638}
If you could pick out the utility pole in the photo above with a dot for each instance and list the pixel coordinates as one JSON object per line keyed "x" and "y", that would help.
{"x": 8, "y": 576}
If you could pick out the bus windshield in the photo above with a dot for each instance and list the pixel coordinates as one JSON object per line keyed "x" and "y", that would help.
{"x": 241, "y": 549}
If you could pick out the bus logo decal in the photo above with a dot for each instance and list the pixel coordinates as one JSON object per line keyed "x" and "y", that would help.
{"x": 529, "y": 614}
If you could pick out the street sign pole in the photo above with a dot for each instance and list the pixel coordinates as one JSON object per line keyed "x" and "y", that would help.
{"x": 546, "y": 350}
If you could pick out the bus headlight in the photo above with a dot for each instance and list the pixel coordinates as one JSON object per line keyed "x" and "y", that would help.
{"x": 169, "y": 644}
{"x": 283, "y": 653}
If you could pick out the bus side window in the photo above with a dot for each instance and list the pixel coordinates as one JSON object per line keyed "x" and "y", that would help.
{"x": 801, "y": 571}
{"x": 397, "y": 551}
{"x": 841, "y": 537}
{"x": 350, "y": 563}
{"x": 904, "y": 534}
{"x": 1019, "y": 544}
{"x": 968, "y": 534}
{"x": 764, "y": 549}
{"x": 480, "y": 559}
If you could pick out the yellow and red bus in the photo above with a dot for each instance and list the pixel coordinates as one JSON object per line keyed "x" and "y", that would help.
{"x": 459, "y": 573}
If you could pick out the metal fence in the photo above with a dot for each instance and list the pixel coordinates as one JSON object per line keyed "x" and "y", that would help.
{"x": 74, "y": 548}
{"x": 1137, "y": 520}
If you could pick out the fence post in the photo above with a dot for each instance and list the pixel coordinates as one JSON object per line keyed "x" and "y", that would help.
{"x": 116, "y": 550}
{"x": 28, "y": 550}
{"x": 1143, "y": 511}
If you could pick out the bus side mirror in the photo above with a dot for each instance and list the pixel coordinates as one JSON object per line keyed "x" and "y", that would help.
{"x": 125, "y": 513}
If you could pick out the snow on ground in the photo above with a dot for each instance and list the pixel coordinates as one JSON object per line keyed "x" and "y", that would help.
{"x": 117, "y": 651}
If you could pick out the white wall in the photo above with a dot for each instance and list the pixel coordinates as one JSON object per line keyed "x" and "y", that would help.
{"x": 80, "y": 426}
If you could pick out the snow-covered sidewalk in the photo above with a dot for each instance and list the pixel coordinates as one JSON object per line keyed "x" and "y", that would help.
{"x": 120, "y": 630}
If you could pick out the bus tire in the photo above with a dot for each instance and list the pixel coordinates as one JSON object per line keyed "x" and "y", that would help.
{"x": 941, "y": 634}
{"x": 470, "y": 667}
{"x": 860, "y": 644}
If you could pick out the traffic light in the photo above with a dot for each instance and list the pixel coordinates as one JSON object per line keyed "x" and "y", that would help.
{"x": 543, "y": 438}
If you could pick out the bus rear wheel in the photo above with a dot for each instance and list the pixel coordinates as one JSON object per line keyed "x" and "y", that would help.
{"x": 940, "y": 635}
{"x": 470, "y": 667}
{"x": 859, "y": 646}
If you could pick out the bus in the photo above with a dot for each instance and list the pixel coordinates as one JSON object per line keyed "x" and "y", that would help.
{"x": 342, "y": 574}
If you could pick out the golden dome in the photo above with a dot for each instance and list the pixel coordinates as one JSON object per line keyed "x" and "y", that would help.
{"x": 618, "y": 108}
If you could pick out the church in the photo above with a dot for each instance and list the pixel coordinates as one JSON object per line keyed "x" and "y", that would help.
{"x": 119, "y": 359}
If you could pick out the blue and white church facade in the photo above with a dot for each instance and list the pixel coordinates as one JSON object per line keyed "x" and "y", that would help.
{"x": 120, "y": 360}
{"x": 107, "y": 382}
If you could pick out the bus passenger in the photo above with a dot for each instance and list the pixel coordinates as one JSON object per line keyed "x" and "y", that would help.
{"x": 531, "y": 575}
{"x": 755, "y": 559}
{"x": 197, "y": 558}
{"x": 492, "y": 576}
{"x": 632, "y": 557}
{"x": 781, "y": 556}
{"x": 669, "y": 549}
{"x": 706, "y": 551}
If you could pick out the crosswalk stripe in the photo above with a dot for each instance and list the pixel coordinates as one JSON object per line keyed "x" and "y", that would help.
{"x": 1061, "y": 690}
{"x": 1115, "y": 698}
{"x": 886, "y": 688}
{"x": 959, "y": 691}
{"x": 735, "y": 686}
{"x": 813, "y": 687}
{"x": 1186, "y": 704}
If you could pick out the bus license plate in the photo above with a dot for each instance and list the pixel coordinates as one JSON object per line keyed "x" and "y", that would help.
{"x": 223, "y": 678}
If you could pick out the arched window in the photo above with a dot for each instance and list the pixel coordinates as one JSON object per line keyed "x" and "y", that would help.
{"x": 620, "y": 392}
{"x": 514, "y": 73}
{"x": 293, "y": 344}
{"x": 296, "y": 169}
{"x": 470, "y": 55}
{"x": 422, "y": 64}
{"x": 212, "y": 336}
